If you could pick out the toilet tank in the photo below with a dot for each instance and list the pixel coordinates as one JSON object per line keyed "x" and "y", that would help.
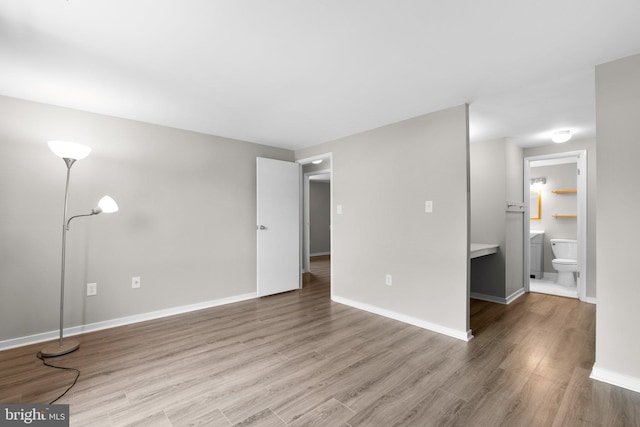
{"x": 564, "y": 248}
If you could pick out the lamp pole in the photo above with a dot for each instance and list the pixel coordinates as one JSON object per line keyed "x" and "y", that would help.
{"x": 69, "y": 163}
{"x": 71, "y": 345}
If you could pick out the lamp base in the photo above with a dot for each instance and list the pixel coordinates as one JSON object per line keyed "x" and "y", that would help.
{"x": 55, "y": 349}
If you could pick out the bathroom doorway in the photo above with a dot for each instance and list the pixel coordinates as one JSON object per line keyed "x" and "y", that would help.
{"x": 557, "y": 208}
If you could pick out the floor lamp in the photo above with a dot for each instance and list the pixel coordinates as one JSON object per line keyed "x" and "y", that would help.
{"x": 70, "y": 152}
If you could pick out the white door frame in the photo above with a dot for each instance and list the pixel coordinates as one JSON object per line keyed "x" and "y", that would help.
{"x": 581, "y": 180}
{"x": 305, "y": 255}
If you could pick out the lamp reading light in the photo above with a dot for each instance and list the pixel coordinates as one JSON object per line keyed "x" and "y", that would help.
{"x": 70, "y": 152}
{"x": 561, "y": 136}
{"x": 107, "y": 205}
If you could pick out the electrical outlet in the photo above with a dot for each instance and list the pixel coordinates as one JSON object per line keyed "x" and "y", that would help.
{"x": 92, "y": 289}
{"x": 428, "y": 206}
{"x": 388, "y": 280}
{"x": 135, "y": 282}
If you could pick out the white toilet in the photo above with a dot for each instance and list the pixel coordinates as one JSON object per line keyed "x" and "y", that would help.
{"x": 565, "y": 262}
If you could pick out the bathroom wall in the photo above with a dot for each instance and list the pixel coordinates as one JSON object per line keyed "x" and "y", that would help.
{"x": 495, "y": 178}
{"x": 319, "y": 218}
{"x": 617, "y": 316}
{"x": 381, "y": 180}
{"x": 589, "y": 145}
{"x": 559, "y": 177}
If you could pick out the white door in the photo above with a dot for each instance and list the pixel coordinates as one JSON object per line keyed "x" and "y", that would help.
{"x": 278, "y": 227}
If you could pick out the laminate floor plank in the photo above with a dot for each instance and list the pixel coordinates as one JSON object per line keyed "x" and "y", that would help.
{"x": 290, "y": 408}
{"x": 264, "y": 418}
{"x": 537, "y": 403}
{"x": 395, "y": 403}
{"x": 587, "y": 402}
{"x": 299, "y": 359}
{"x": 330, "y": 413}
{"x": 493, "y": 400}
{"x": 198, "y": 411}
{"x": 290, "y": 385}
{"x": 432, "y": 411}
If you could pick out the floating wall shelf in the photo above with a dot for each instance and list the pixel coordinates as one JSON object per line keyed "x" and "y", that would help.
{"x": 563, "y": 191}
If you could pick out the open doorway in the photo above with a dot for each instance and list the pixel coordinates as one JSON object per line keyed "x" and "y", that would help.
{"x": 316, "y": 213}
{"x": 557, "y": 208}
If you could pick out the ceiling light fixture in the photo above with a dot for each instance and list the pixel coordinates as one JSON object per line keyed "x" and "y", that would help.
{"x": 317, "y": 162}
{"x": 561, "y": 136}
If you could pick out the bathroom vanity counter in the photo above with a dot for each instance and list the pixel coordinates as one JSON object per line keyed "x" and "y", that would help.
{"x": 481, "y": 249}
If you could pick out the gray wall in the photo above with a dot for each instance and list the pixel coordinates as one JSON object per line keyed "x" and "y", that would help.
{"x": 590, "y": 146}
{"x": 515, "y": 221}
{"x": 382, "y": 178}
{"x": 186, "y": 223}
{"x": 618, "y": 124}
{"x": 559, "y": 177}
{"x": 496, "y": 177}
{"x": 319, "y": 217}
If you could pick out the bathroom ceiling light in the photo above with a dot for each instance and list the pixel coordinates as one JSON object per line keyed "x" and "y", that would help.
{"x": 317, "y": 162}
{"x": 561, "y": 136}
{"x": 536, "y": 183}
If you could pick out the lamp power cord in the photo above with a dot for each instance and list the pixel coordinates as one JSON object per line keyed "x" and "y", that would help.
{"x": 77, "y": 371}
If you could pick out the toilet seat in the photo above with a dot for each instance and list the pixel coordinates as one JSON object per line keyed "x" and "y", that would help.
{"x": 565, "y": 261}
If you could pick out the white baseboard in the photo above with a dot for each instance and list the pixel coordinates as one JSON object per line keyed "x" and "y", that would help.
{"x": 461, "y": 335}
{"x": 590, "y": 300}
{"x": 76, "y": 330}
{"x": 499, "y": 300}
{"x": 320, "y": 253}
{"x": 615, "y": 378}
{"x": 489, "y": 298}
{"x": 514, "y": 296}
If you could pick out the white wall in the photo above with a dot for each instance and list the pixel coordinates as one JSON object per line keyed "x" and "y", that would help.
{"x": 382, "y": 178}
{"x": 618, "y": 316}
{"x": 186, "y": 223}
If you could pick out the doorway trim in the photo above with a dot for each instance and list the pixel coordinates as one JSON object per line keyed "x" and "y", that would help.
{"x": 305, "y": 231}
{"x": 581, "y": 221}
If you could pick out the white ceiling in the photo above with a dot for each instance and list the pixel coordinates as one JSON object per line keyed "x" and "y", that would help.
{"x": 295, "y": 73}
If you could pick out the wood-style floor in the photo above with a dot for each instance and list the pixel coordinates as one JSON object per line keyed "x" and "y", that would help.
{"x": 298, "y": 359}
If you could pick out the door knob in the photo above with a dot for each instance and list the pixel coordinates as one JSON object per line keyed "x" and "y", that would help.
{"x": 262, "y": 227}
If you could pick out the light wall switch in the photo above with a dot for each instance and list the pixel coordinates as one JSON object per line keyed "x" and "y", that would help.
{"x": 92, "y": 289}
{"x": 135, "y": 282}
{"x": 339, "y": 209}
{"x": 388, "y": 280}
{"x": 428, "y": 206}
